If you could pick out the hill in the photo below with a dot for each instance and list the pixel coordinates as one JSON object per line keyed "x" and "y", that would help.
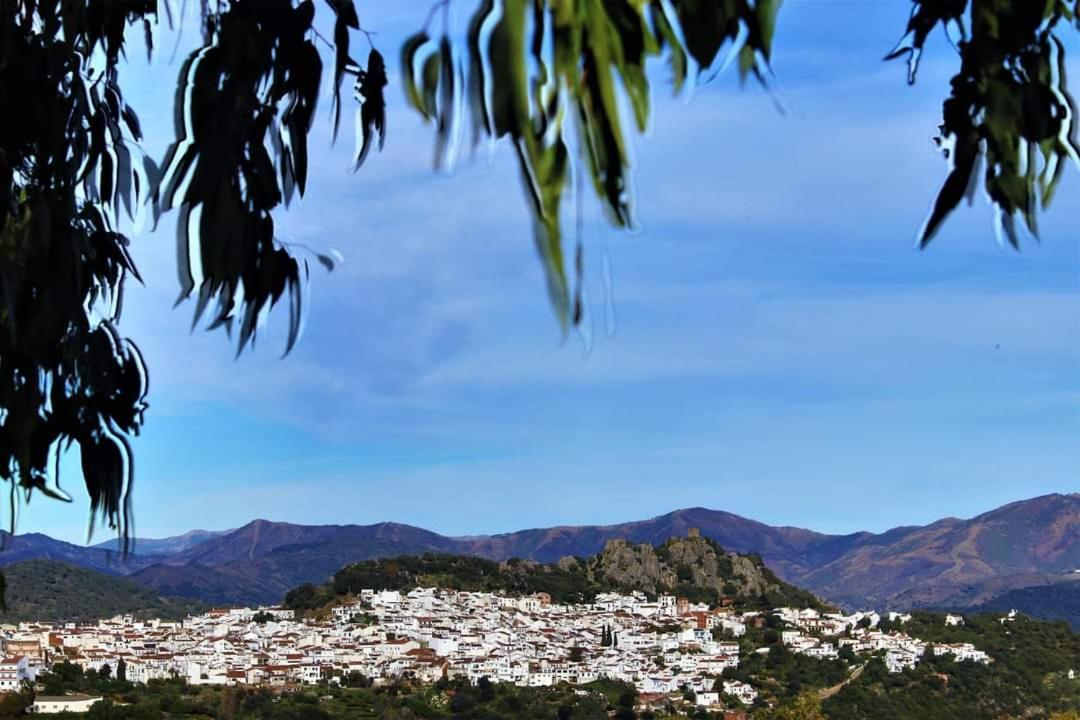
{"x": 1029, "y": 676}
{"x": 1060, "y": 601}
{"x": 693, "y": 567}
{"x": 48, "y": 590}
{"x": 35, "y": 546}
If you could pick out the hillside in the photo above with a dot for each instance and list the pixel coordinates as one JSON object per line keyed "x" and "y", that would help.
{"x": 693, "y": 567}
{"x": 1060, "y": 601}
{"x": 1028, "y": 678}
{"x": 54, "y": 591}
{"x": 945, "y": 563}
{"x": 35, "y": 546}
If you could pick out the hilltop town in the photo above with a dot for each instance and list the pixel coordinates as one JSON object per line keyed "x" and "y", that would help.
{"x": 662, "y": 646}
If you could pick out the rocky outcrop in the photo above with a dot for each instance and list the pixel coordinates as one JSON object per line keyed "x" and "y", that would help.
{"x": 693, "y": 566}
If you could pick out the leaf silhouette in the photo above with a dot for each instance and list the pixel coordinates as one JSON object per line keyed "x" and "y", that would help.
{"x": 1009, "y": 111}
{"x": 369, "y": 87}
{"x": 548, "y": 76}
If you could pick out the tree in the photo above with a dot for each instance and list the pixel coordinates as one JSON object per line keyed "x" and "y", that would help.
{"x": 105, "y": 672}
{"x": 104, "y": 709}
{"x": 543, "y": 75}
{"x": 487, "y": 690}
{"x": 805, "y": 707}
{"x": 13, "y": 705}
{"x": 229, "y": 706}
{"x": 121, "y": 670}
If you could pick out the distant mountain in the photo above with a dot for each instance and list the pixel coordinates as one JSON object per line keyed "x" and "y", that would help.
{"x": 35, "y": 546}
{"x": 693, "y": 567}
{"x": 788, "y": 550}
{"x": 957, "y": 561}
{"x": 165, "y": 546}
{"x": 262, "y": 538}
{"x": 260, "y": 562}
{"x": 949, "y": 563}
{"x": 48, "y": 590}
{"x": 1060, "y": 601}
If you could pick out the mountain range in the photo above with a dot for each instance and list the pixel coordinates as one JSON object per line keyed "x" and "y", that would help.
{"x": 1031, "y": 545}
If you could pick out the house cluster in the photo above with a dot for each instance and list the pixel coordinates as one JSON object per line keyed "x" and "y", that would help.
{"x": 662, "y": 646}
{"x": 824, "y": 635}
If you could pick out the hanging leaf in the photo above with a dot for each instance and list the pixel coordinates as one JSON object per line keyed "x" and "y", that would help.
{"x": 346, "y": 18}
{"x": 369, "y": 87}
{"x": 409, "y": 51}
{"x": 531, "y": 65}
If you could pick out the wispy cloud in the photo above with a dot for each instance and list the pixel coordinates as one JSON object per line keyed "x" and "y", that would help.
{"x": 780, "y": 347}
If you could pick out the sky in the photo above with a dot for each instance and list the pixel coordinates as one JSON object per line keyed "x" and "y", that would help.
{"x": 767, "y": 342}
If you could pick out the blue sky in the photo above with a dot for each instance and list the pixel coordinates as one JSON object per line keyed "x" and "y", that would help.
{"x": 779, "y": 349}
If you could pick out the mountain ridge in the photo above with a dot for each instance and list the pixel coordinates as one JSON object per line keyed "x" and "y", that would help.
{"x": 949, "y": 562}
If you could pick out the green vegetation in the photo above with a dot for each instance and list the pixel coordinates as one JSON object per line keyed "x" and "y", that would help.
{"x": 781, "y": 675}
{"x": 1028, "y": 677}
{"x": 53, "y": 591}
{"x": 1060, "y": 601}
{"x": 695, "y": 568}
{"x": 446, "y": 699}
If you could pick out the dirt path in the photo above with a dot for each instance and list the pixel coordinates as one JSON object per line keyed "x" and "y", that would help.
{"x": 830, "y": 691}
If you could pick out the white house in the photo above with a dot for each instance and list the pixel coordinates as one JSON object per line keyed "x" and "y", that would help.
{"x": 740, "y": 691}
{"x": 708, "y": 698}
{"x": 14, "y": 671}
{"x": 48, "y": 704}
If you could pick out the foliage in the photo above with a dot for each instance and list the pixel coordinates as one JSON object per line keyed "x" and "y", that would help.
{"x": 51, "y": 591}
{"x": 447, "y": 699}
{"x": 69, "y": 159}
{"x": 1009, "y": 108}
{"x": 1027, "y": 678}
{"x": 13, "y": 705}
{"x": 784, "y": 676}
{"x": 527, "y": 70}
{"x": 67, "y": 139}
{"x": 245, "y": 104}
{"x": 458, "y": 572}
{"x": 65, "y": 677}
{"x": 805, "y": 707}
